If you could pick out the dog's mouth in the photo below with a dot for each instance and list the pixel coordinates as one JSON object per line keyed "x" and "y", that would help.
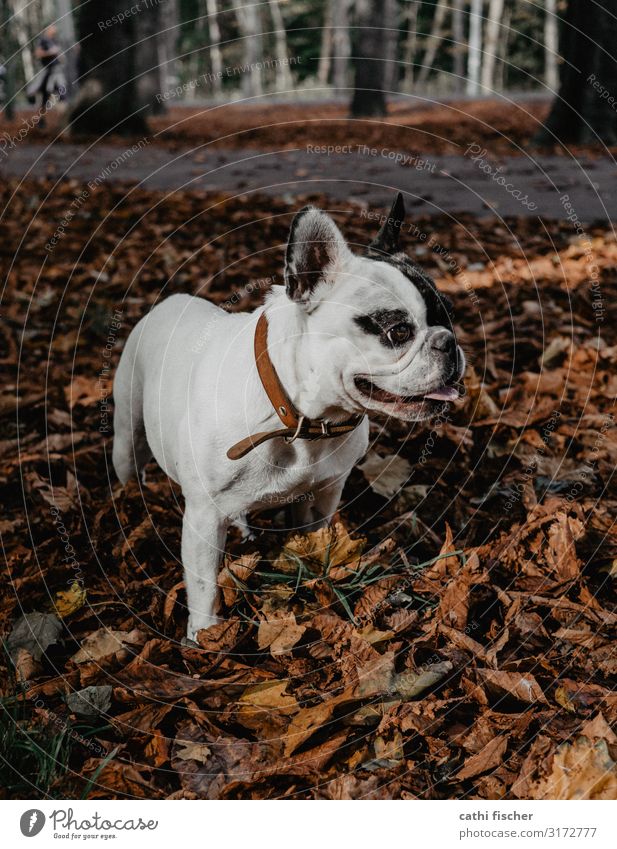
{"x": 430, "y": 400}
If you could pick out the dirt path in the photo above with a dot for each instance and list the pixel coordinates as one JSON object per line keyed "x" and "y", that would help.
{"x": 476, "y": 182}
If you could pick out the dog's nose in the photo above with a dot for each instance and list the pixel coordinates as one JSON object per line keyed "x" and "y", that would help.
{"x": 444, "y": 341}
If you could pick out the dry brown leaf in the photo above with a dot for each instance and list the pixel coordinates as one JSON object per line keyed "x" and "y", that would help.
{"x": 221, "y": 637}
{"x": 386, "y": 475}
{"x": 235, "y": 573}
{"x": 561, "y": 553}
{"x": 279, "y": 634}
{"x": 581, "y": 770}
{"x": 487, "y": 758}
{"x": 321, "y": 550}
{"x": 84, "y": 390}
{"x": 106, "y": 642}
{"x": 522, "y": 687}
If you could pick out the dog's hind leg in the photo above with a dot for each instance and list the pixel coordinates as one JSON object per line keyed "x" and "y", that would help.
{"x": 131, "y": 451}
{"x": 316, "y": 508}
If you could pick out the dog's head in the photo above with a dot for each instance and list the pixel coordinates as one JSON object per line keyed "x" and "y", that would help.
{"x": 378, "y": 323}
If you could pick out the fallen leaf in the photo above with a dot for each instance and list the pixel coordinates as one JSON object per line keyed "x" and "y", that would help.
{"x": 91, "y": 701}
{"x": 279, "y": 634}
{"x": 581, "y": 770}
{"x": 522, "y": 687}
{"x": 84, "y": 390}
{"x": 34, "y": 632}
{"x": 68, "y": 601}
{"x": 487, "y": 758}
{"x": 234, "y": 574}
{"x": 386, "y": 475}
{"x": 320, "y": 551}
{"x": 106, "y": 642}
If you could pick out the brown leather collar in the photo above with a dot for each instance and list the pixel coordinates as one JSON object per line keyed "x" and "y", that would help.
{"x": 296, "y": 425}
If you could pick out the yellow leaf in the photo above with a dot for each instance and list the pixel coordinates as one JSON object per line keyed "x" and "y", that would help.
{"x": 68, "y": 601}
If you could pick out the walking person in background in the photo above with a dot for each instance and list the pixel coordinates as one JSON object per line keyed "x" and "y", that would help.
{"x": 50, "y": 80}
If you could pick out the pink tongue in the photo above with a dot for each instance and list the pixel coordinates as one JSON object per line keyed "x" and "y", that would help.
{"x": 447, "y": 393}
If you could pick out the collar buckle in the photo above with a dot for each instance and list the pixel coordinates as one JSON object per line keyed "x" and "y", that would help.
{"x": 290, "y": 439}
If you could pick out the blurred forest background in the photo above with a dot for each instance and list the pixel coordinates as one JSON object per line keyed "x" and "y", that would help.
{"x": 152, "y": 52}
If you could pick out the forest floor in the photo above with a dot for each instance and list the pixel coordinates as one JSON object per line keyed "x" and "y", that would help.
{"x": 452, "y": 637}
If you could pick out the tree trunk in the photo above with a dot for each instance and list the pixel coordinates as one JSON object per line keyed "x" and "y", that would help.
{"x": 375, "y": 17}
{"x": 493, "y": 26}
{"x": 504, "y": 50}
{"x": 68, "y": 42}
{"x": 475, "y": 48}
{"x": 409, "y": 48}
{"x": 252, "y": 44}
{"x": 108, "y": 100}
{"x": 582, "y": 111}
{"x": 9, "y": 60}
{"x": 433, "y": 41}
{"x": 284, "y": 80}
{"x": 325, "y": 51}
{"x": 458, "y": 47}
{"x": 20, "y": 30}
{"x": 168, "y": 43}
{"x": 151, "y": 76}
{"x": 341, "y": 43}
{"x": 216, "y": 58}
{"x": 551, "y": 46}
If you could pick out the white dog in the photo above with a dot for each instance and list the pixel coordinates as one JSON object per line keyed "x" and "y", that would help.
{"x": 245, "y": 410}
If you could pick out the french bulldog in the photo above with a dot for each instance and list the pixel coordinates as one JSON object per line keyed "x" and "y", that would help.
{"x": 205, "y": 391}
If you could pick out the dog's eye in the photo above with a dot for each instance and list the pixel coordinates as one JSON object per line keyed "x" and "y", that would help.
{"x": 400, "y": 333}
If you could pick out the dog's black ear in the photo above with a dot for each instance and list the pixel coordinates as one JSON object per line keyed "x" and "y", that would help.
{"x": 315, "y": 248}
{"x": 387, "y": 240}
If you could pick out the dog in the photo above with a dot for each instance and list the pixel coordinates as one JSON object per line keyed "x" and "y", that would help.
{"x": 244, "y": 410}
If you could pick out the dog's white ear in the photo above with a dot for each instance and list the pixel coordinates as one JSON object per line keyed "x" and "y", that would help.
{"x": 387, "y": 240}
{"x": 315, "y": 249}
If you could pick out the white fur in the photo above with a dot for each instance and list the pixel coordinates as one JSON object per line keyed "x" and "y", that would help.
{"x": 187, "y": 389}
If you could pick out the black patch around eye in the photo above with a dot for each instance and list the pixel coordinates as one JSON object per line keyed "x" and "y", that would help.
{"x": 381, "y": 320}
{"x": 438, "y": 306}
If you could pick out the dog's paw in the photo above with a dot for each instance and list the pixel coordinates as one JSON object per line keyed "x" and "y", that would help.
{"x": 194, "y": 627}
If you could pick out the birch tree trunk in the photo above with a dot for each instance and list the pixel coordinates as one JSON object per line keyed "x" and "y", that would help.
{"x": 475, "y": 48}
{"x": 551, "y": 46}
{"x": 432, "y": 42}
{"x": 459, "y": 45}
{"x": 284, "y": 80}
{"x": 493, "y": 27}
{"x": 341, "y": 43}
{"x": 68, "y": 41}
{"x": 252, "y": 45}
{"x": 325, "y": 51}
{"x": 216, "y": 59}
{"x": 17, "y": 8}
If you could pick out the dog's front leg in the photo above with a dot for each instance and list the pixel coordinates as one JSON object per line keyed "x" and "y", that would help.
{"x": 203, "y": 543}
